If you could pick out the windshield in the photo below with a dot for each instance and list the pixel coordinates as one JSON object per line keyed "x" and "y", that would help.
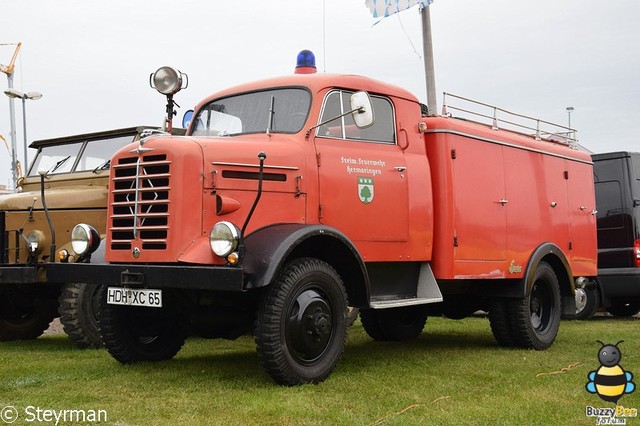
{"x": 268, "y": 111}
{"x": 63, "y": 158}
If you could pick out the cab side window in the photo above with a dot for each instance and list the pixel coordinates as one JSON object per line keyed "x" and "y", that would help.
{"x": 337, "y": 103}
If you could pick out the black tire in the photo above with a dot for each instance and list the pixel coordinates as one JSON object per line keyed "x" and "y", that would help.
{"x": 395, "y": 324}
{"x": 459, "y": 307}
{"x": 22, "y": 317}
{"x": 500, "y": 322}
{"x": 621, "y": 309}
{"x": 301, "y": 327}
{"x": 535, "y": 319}
{"x": 78, "y": 307}
{"x": 352, "y": 315}
{"x": 587, "y": 303}
{"x": 134, "y": 334}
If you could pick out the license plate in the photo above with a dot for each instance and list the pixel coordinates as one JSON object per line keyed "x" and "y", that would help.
{"x": 134, "y": 297}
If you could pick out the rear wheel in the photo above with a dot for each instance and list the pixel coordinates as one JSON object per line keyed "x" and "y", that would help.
{"x": 79, "y": 306}
{"x": 621, "y": 309}
{"x": 301, "y": 327}
{"x": 587, "y": 303}
{"x": 395, "y": 324}
{"x": 535, "y": 319}
{"x": 22, "y": 316}
{"x": 500, "y": 322}
{"x": 136, "y": 334}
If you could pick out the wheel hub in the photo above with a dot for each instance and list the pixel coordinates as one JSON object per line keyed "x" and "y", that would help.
{"x": 319, "y": 323}
{"x": 539, "y": 307}
{"x": 581, "y": 299}
{"x": 309, "y": 326}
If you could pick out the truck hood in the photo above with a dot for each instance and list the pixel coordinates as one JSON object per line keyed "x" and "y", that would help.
{"x": 57, "y": 198}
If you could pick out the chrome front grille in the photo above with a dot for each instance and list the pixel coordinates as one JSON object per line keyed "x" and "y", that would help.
{"x": 140, "y": 204}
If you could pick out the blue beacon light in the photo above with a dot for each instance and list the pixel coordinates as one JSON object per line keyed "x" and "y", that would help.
{"x": 306, "y": 63}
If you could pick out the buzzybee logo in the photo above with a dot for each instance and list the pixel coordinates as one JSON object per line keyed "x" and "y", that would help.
{"x": 610, "y": 381}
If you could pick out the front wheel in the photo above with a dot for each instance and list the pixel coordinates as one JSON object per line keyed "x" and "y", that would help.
{"x": 134, "y": 334}
{"x": 23, "y": 316}
{"x": 78, "y": 308}
{"x": 535, "y": 319}
{"x": 301, "y": 326}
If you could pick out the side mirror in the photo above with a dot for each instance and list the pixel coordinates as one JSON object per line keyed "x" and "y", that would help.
{"x": 361, "y": 108}
{"x": 186, "y": 119}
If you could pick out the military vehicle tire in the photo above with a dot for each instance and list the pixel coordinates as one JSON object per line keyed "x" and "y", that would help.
{"x": 22, "y": 317}
{"x": 301, "y": 327}
{"x": 535, "y": 319}
{"x": 134, "y": 334}
{"x": 78, "y": 307}
{"x": 394, "y": 324}
{"x": 500, "y": 322}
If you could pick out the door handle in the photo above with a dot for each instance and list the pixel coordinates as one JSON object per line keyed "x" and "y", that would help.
{"x": 503, "y": 201}
{"x": 400, "y": 168}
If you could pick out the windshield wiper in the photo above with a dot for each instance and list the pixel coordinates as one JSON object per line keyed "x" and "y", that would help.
{"x": 271, "y": 114}
{"x": 58, "y": 164}
{"x": 103, "y": 166}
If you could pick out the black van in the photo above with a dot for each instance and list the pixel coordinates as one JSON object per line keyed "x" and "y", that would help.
{"x": 617, "y": 185}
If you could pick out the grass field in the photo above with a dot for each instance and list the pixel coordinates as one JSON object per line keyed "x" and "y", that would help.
{"x": 454, "y": 374}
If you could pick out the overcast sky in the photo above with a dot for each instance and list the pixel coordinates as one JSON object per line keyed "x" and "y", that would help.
{"x": 91, "y": 60}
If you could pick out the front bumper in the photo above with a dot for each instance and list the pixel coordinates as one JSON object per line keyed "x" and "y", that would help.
{"x": 219, "y": 278}
{"x": 18, "y": 274}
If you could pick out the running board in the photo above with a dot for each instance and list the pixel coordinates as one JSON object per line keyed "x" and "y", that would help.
{"x": 427, "y": 292}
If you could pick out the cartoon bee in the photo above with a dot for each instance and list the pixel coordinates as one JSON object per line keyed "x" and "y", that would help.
{"x": 610, "y": 381}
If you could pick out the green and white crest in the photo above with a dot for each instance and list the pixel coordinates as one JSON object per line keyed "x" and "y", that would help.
{"x": 365, "y": 189}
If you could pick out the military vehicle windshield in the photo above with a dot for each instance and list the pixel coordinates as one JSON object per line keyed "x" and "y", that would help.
{"x": 79, "y": 156}
{"x": 268, "y": 111}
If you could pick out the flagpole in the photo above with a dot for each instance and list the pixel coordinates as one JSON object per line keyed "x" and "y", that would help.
{"x": 429, "y": 68}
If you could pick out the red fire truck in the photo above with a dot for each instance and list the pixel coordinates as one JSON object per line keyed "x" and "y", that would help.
{"x": 292, "y": 198}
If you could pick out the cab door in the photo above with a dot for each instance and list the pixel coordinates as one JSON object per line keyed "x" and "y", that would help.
{"x": 363, "y": 190}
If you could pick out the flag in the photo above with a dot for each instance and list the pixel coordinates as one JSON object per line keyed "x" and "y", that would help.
{"x": 384, "y": 8}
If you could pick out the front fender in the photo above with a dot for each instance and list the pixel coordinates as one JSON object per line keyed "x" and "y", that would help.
{"x": 268, "y": 249}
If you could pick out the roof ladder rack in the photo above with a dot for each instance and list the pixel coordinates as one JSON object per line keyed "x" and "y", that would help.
{"x": 499, "y": 118}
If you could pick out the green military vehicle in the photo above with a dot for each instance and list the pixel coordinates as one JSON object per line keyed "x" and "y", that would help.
{"x": 66, "y": 184}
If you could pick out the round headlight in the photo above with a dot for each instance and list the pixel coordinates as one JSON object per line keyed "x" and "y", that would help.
{"x": 167, "y": 80}
{"x": 84, "y": 239}
{"x": 224, "y": 238}
{"x": 35, "y": 238}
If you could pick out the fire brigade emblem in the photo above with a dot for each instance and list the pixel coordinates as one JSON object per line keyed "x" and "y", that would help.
{"x": 365, "y": 189}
